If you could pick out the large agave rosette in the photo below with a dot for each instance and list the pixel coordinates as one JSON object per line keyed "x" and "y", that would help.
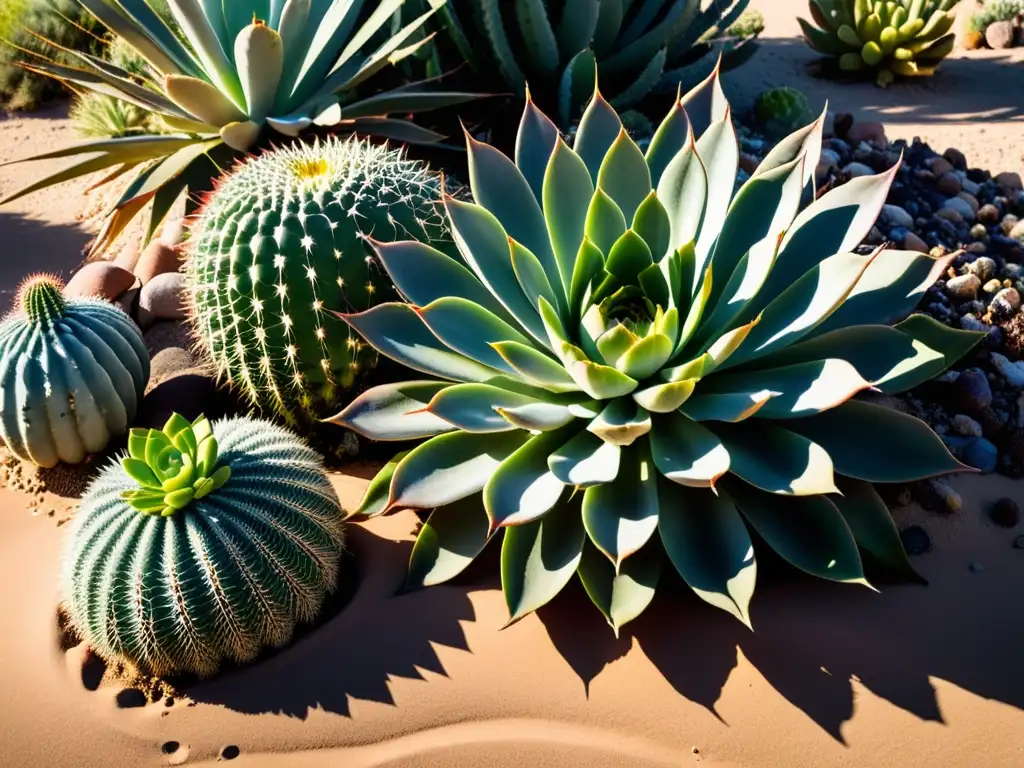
{"x": 634, "y": 365}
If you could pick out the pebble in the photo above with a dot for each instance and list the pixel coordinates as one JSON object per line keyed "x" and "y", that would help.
{"x": 99, "y": 278}
{"x": 971, "y": 323}
{"x": 896, "y": 216}
{"x": 1006, "y": 301}
{"x": 981, "y": 454}
{"x": 956, "y": 157}
{"x": 1005, "y": 513}
{"x": 1009, "y": 183}
{"x": 979, "y": 232}
{"x": 992, "y": 286}
{"x": 949, "y": 184}
{"x": 916, "y": 540}
{"x": 952, "y": 215}
{"x": 988, "y": 214}
{"x": 963, "y": 286}
{"x": 984, "y": 267}
{"x": 1013, "y": 372}
{"x": 971, "y": 187}
{"x": 912, "y": 242}
{"x": 1000, "y": 34}
{"x": 1017, "y": 233}
{"x": 971, "y": 200}
{"x": 163, "y": 297}
{"x": 973, "y": 390}
{"x": 871, "y": 132}
{"x": 961, "y": 206}
{"x": 966, "y": 426}
{"x": 939, "y": 166}
{"x": 157, "y": 259}
{"x": 950, "y": 499}
{"x": 1008, "y": 223}
{"x": 853, "y": 170}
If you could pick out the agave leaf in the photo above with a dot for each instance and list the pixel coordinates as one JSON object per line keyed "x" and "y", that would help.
{"x": 719, "y": 151}
{"x": 628, "y": 258}
{"x": 448, "y": 542}
{"x": 707, "y": 542}
{"x": 705, "y": 104}
{"x": 732, "y": 407}
{"x": 624, "y": 175}
{"x": 578, "y": 23}
{"x": 530, "y": 273}
{"x": 803, "y": 306}
{"x": 536, "y": 367}
{"x": 538, "y": 36}
{"x": 645, "y": 82}
{"x": 450, "y": 467}
{"x": 538, "y": 417}
{"x": 396, "y": 331}
{"x": 523, "y": 488}
{"x": 483, "y": 243}
{"x": 331, "y": 29}
{"x": 505, "y": 58}
{"x": 378, "y": 492}
{"x": 686, "y": 452}
{"x": 259, "y": 57}
{"x": 609, "y": 24}
{"x": 589, "y": 265}
{"x": 423, "y": 274}
{"x": 804, "y": 142}
{"x": 605, "y": 222}
{"x": 808, "y": 532}
{"x": 535, "y": 142}
{"x": 621, "y": 516}
{"x": 395, "y": 411}
{"x": 473, "y": 407}
{"x": 539, "y": 558}
{"x": 877, "y": 444}
{"x": 777, "y": 460}
{"x": 598, "y": 130}
{"x": 601, "y": 382}
{"x": 216, "y": 62}
{"x": 873, "y": 527}
{"x": 887, "y": 291}
{"x": 803, "y": 388}
{"x": 621, "y": 596}
{"x": 470, "y": 329}
{"x": 683, "y": 190}
{"x": 499, "y": 187}
{"x": 148, "y": 34}
{"x": 672, "y": 137}
{"x": 140, "y": 472}
{"x": 406, "y": 102}
{"x": 646, "y": 357}
{"x": 585, "y": 460}
{"x": 202, "y": 101}
{"x": 579, "y": 81}
{"x": 567, "y": 193}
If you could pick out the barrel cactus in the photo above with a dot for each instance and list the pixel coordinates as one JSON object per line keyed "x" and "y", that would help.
{"x": 206, "y": 544}
{"x": 639, "y": 366}
{"x": 780, "y": 111}
{"x": 72, "y": 374}
{"x": 282, "y": 245}
{"x": 898, "y": 37}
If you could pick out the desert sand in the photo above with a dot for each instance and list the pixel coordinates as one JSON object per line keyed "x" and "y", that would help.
{"x": 834, "y": 675}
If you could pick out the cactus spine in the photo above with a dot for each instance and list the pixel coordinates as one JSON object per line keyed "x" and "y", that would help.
{"x": 173, "y": 588}
{"x": 281, "y": 246}
{"x": 72, "y": 373}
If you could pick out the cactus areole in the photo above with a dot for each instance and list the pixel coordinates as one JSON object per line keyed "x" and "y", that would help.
{"x": 173, "y": 466}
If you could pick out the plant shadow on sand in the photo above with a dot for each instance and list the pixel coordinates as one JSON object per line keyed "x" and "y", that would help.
{"x": 812, "y": 639}
{"x": 354, "y": 654}
{"x": 28, "y": 246}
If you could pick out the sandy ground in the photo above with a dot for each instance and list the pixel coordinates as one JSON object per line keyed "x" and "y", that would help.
{"x": 833, "y": 676}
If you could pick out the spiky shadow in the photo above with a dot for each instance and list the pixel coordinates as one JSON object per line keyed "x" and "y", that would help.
{"x": 354, "y": 655}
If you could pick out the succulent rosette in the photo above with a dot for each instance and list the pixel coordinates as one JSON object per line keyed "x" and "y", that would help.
{"x": 637, "y": 367}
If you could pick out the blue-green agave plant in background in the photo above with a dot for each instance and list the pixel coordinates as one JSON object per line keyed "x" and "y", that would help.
{"x": 634, "y": 362}
{"x": 235, "y": 69}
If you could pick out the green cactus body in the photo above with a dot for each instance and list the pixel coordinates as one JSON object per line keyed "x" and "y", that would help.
{"x": 182, "y": 589}
{"x": 904, "y": 37}
{"x": 782, "y": 110}
{"x": 281, "y": 246}
{"x": 72, "y": 373}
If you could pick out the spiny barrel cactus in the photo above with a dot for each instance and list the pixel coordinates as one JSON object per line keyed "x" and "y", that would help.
{"x": 225, "y": 74}
{"x": 898, "y": 37}
{"x": 637, "y": 364}
{"x": 207, "y": 544}
{"x": 638, "y": 46}
{"x": 281, "y": 245}
{"x": 72, "y": 374}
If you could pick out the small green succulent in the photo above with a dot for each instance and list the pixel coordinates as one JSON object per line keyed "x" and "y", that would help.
{"x": 173, "y": 466}
{"x": 993, "y": 11}
{"x": 780, "y": 111}
{"x": 633, "y": 364}
{"x": 227, "y": 75}
{"x": 898, "y": 37}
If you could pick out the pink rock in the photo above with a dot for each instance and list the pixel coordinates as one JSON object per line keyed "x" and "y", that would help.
{"x": 99, "y": 278}
{"x": 914, "y": 243}
{"x": 157, "y": 259}
{"x": 949, "y": 184}
{"x": 1009, "y": 182}
{"x": 872, "y": 133}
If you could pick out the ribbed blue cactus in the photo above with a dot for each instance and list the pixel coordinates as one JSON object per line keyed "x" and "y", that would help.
{"x": 206, "y": 544}
{"x": 281, "y": 245}
{"x": 72, "y": 373}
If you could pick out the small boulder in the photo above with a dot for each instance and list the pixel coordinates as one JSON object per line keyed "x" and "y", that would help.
{"x": 988, "y": 214}
{"x": 157, "y": 259}
{"x": 1005, "y": 513}
{"x": 1009, "y": 183}
{"x": 966, "y": 426}
{"x": 957, "y": 158}
{"x": 853, "y": 170}
{"x": 984, "y": 267}
{"x": 1000, "y": 35}
{"x": 897, "y": 217}
{"x": 1006, "y": 302}
{"x": 1012, "y": 371}
{"x": 940, "y": 166}
{"x": 163, "y": 297}
{"x": 963, "y": 287}
{"x": 99, "y": 278}
{"x": 973, "y": 390}
{"x": 981, "y": 454}
{"x": 961, "y": 206}
{"x": 949, "y": 184}
{"x": 1017, "y": 231}
{"x": 914, "y": 243}
{"x": 872, "y": 133}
